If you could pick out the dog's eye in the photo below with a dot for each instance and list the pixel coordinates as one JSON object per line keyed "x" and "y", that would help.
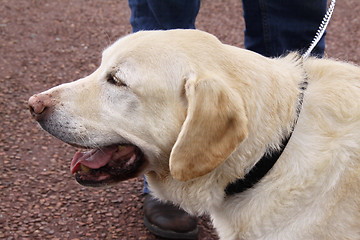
{"x": 115, "y": 81}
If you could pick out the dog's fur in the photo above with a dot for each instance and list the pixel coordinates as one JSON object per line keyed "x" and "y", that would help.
{"x": 203, "y": 113}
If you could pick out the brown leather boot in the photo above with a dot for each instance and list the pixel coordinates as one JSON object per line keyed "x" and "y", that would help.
{"x": 168, "y": 221}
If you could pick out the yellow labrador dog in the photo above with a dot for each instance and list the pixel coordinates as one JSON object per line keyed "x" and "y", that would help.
{"x": 219, "y": 130}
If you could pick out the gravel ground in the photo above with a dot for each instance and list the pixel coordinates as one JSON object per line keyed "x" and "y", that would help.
{"x": 48, "y": 42}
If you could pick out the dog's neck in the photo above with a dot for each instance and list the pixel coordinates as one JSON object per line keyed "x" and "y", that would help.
{"x": 261, "y": 168}
{"x": 269, "y": 159}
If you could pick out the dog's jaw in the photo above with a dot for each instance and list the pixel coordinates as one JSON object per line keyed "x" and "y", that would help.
{"x": 108, "y": 165}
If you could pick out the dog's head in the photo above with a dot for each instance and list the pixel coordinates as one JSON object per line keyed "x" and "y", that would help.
{"x": 158, "y": 102}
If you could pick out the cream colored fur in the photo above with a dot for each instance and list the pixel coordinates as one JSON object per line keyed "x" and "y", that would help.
{"x": 204, "y": 113}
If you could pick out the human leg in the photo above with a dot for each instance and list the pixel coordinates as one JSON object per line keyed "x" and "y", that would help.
{"x": 163, "y": 15}
{"x": 164, "y": 219}
{"x": 274, "y": 27}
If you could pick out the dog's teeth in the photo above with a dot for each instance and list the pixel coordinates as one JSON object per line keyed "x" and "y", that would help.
{"x": 121, "y": 148}
{"x": 84, "y": 168}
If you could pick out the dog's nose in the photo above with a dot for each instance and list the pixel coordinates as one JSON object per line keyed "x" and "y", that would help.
{"x": 38, "y": 104}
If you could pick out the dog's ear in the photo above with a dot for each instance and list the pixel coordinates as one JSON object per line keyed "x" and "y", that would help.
{"x": 215, "y": 125}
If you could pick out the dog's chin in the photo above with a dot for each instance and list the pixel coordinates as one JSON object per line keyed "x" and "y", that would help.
{"x": 108, "y": 165}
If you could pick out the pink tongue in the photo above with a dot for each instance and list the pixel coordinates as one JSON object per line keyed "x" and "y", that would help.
{"x": 94, "y": 159}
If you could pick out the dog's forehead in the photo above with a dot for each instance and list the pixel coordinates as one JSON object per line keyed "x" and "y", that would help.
{"x": 171, "y": 54}
{"x": 145, "y": 44}
{"x": 133, "y": 48}
{"x": 150, "y": 56}
{"x": 137, "y": 42}
{"x": 145, "y": 51}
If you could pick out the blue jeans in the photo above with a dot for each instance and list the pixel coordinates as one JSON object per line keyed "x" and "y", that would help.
{"x": 163, "y": 14}
{"x": 272, "y": 27}
{"x": 275, "y": 27}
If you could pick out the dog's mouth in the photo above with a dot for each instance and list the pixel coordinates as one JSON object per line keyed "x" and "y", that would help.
{"x": 107, "y": 165}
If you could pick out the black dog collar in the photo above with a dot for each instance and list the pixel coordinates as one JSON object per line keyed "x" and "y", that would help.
{"x": 261, "y": 168}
